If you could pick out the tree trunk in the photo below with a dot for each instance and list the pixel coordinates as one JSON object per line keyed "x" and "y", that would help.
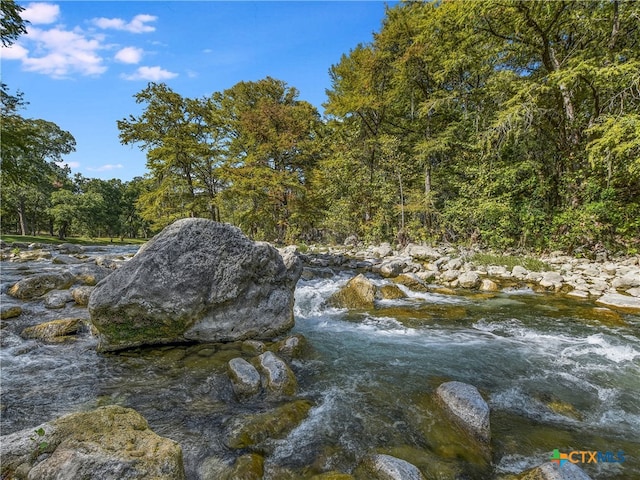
{"x": 22, "y": 216}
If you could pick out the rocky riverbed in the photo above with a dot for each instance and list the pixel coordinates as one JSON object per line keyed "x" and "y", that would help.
{"x": 353, "y": 391}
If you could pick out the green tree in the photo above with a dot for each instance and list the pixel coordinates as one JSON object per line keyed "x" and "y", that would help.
{"x": 11, "y": 23}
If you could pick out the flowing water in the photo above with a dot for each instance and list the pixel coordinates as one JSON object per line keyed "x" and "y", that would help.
{"x": 556, "y": 373}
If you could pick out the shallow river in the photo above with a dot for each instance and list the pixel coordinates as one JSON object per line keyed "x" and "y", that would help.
{"x": 557, "y": 374}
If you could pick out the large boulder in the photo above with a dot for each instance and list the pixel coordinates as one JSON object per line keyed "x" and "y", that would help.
{"x": 386, "y": 467}
{"x": 110, "y": 443}
{"x": 467, "y": 406}
{"x": 39, "y": 284}
{"x": 198, "y": 280}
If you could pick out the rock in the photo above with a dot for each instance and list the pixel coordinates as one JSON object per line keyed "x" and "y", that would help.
{"x": 39, "y": 284}
{"x": 333, "y": 475}
{"x": 381, "y": 251}
{"x": 196, "y": 280}
{"x": 110, "y": 443}
{"x": 414, "y": 281}
{"x": 487, "y": 285}
{"x": 628, "y": 280}
{"x": 390, "y": 292}
{"x": 245, "y": 379}
{"x": 70, "y": 248}
{"x": 392, "y": 268}
{"x": 420, "y": 252}
{"x": 309, "y": 273}
{"x": 635, "y": 292}
{"x": 622, "y": 302}
{"x": 277, "y": 377}
{"x": 65, "y": 260}
{"x": 359, "y": 292}
{"x": 32, "y": 256}
{"x": 498, "y": 271}
{"x": 519, "y": 272}
{"x": 8, "y": 310}
{"x": 248, "y": 467}
{"x": 449, "y": 275}
{"x": 293, "y": 346}
{"x": 249, "y": 430}
{"x": 469, "y": 280}
{"x": 253, "y": 347}
{"x": 454, "y": 264}
{"x": 552, "y": 471}
{"x": 90, "y": 274}
{"x": 351, "y": 241}
{"x": 581, "y": 294}
{"x": 552, "y": 280}
{"x": 81, "y": 295}
{"x": 386, "y": 467}
{"x": 57, "y": 298}
{"x": 467, "y": 405}
{"x": 53, "y": 331}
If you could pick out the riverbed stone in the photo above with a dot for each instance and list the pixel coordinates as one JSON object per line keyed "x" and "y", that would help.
{"x": 110, "y": 443}
{"x": 66, "y": 260}
{"x": 277, "y": 378}
{"x": 245, "y": 379}
{"x": 552, "y": 280}
{"x": 359, "y": 292}
{"x": 70, "y": 248}
{"x": 292, "y": 346}
{"x": 57, "y": 299}
{"x": 415, "y": 281}
{"x": 39, "y": 284}
{"x": 390, "y": 292}
{"x": 488, "y": 285}
{"x": 197, "y": 280}
{"x": 620, "y": 301}
{"x": 552, "y": 471}
{"x": 466, "y": 404}
{"x": 392, "y": 268}
{"x": 628, "y": 280}
{"x": 89, "y": 273}
{"x": 81, "y": 295}
{"x": 53, "y": 331}
{"x": 9, "y": 310}
{"x": 248, "y": 430}
{"x": 386, "y": 467}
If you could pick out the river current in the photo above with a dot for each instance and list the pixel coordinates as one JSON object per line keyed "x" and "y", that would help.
{"x": 557, "y": 374}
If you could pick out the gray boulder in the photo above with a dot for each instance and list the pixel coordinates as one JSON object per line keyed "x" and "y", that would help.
{"x": 469, "y": 280}
{"x": 57, "y": 298}
{"x": 386, "y": 467}
{"x": 277, "y": 377}
{"x": 196, "y": 280}
{"x": 466, "y": 404}
{"x": 622, "y": 302}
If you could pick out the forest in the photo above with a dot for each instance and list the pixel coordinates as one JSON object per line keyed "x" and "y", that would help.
{"x": 505, "y": 124}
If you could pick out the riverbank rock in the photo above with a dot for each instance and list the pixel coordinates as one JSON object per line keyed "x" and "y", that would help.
{"x": 39, "y": 284}
{"x": 57, "y": 299}
{"x": 359, "y": 292}
{"x": 81, "y": 295}
{"x": 622, "y": 302}
{"x": 110, "y": 443}
{"x": 466, "y": 404}
{"x": 9, "y": 310}
{"x": 552, "y": 471}
{"x": 196, "y": 280}
{"x": 386, "y": 467}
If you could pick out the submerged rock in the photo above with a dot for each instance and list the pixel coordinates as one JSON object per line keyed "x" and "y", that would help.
{"x": 9, "y": 311}
{"x": 196, "y": 280}
{"x": 110, "y": 443}
{"x": 252, "y": 429}
{"x": 386, "y": 467}
{"x": 467, "y": 405}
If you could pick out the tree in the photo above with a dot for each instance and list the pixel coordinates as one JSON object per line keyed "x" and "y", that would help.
{"x": 11, "y": 23}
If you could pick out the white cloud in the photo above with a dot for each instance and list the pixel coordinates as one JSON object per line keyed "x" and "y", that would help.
{"x": 153, "y": 74}
{"x": 41, "y": 13}
{"x": 129, "y": 55}
{"x": 105, "y": 168}
{"x": 137, "y": 25}
{"x": 62, "y": 52}
{"x": 14, "y": 52}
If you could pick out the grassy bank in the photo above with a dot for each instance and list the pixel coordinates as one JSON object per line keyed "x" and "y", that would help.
{"x": 76, "y": 240}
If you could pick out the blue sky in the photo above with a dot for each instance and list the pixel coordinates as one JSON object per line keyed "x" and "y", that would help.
{"x": 81, "y": 62}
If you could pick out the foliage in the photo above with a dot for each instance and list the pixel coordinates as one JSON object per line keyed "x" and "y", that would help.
{"x": 510, "y": 261}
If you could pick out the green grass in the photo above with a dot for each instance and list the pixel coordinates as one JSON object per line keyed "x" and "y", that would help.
{"x": 77, "y": 240}
{"x": 510, "y": 261}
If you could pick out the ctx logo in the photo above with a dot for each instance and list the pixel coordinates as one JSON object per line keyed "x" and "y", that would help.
{"x": 585, "y": 456}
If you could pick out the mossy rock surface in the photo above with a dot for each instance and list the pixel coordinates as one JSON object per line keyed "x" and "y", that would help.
{"x": 250, "y": 430}
{"x": 358, "y": 293}
{"x": 333, "y": 476}
{"x": 390, "y": 292}
{"x": 54, "y": 330}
